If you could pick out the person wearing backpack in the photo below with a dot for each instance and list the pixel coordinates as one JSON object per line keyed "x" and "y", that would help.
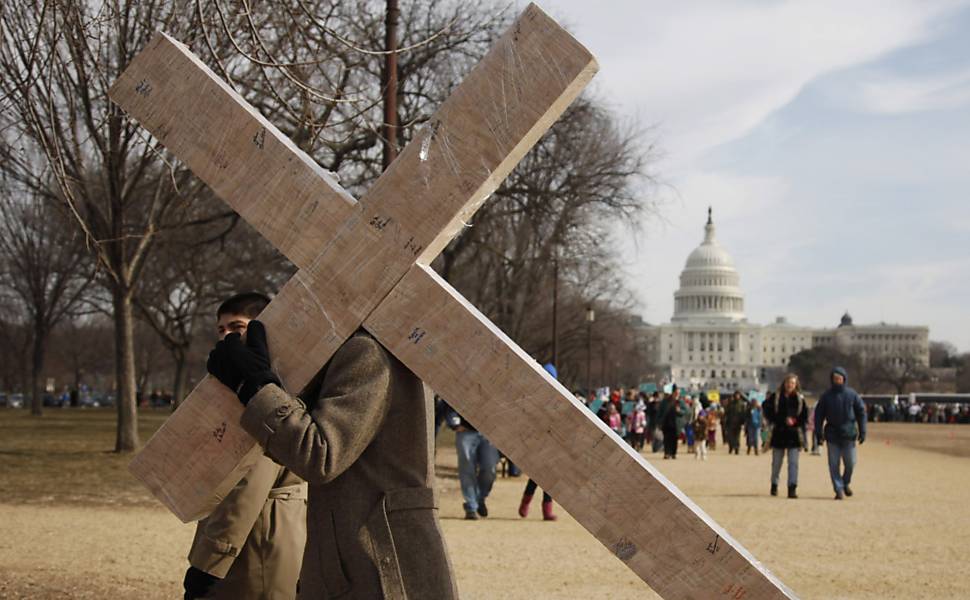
{"x": 840, "y": 416}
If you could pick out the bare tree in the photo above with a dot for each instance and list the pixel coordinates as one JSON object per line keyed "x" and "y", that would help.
{"x": 564, "y": 200}
{"x": 814, "y": 367}
{"x": 72, "y": 343}
{"x": 149, "y": 360}
{"x": 57, "y": 61}
{"x": 14, "y": 350}
{"x": 942, "y": 354}
{"x": 899, "y": 371}
{"x": 319, "y": 69}
{"x": 45, "y": 268}
{"x": 963, "y": 372}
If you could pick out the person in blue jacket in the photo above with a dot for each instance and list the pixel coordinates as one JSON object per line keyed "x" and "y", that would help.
{"x": 840, "y": 416}
{"x": 752, "y": 426}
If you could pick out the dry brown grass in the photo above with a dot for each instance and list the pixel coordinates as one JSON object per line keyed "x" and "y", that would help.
{"x": 65, "y": 457}
{"x": 73, "y": 524}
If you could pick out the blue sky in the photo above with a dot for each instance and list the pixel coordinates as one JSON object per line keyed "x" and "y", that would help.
{"x": 831, "y": 138}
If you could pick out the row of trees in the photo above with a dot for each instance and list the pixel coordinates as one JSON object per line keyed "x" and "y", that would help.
{"x": 100, "y": 221}
{"x": 896, "y": 373}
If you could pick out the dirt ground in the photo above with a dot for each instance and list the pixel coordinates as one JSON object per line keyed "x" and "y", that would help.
{"x": 73, "y": 524}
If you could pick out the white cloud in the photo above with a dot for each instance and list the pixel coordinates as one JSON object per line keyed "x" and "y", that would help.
{"x": 891, "y": 94}
{"x": 709, "y": 72}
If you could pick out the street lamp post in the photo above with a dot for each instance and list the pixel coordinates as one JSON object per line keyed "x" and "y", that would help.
{"x": 590, "y": 317}
{"x": 555, "y": 310}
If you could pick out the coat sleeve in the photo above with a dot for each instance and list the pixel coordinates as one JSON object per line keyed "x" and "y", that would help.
{"x": 768, "y": 410}
{"x": 860, "y": 415}
{"x": 320, "y": 441}
{"x": 221, "y": 536}
{"x": 803, "y": 415}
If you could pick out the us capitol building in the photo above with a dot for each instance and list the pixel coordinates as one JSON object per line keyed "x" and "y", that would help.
{"x": 709, "y": 343}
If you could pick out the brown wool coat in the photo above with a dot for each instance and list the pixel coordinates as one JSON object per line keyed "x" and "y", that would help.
{"x": 364, "y": 443}
{"x": 254, "y": 538}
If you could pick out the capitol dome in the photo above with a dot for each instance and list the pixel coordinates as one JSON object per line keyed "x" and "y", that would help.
{"x": 710, "y": 288}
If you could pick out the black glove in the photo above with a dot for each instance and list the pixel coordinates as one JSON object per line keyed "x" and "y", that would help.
{"x": 862, "y": 439}
{"x": 198, "y": 583}
{"x": 243, "y": 368}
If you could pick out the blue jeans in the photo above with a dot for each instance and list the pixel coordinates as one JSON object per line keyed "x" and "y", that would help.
{"x": 753, "y": 436}
{"x": 777, "y": 455}
{"x": 477, "y": 458}
{"x": 844, "y": 452}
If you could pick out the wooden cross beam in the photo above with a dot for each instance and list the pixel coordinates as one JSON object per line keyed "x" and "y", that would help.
{"x": 365, "y": 264}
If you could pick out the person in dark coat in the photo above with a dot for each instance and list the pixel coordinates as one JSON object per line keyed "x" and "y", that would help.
{"x": 672, "y": 417}
{"x": 787, "y": 412}
{"x": 735, "y": 412}
{"x": 840, "y": 416}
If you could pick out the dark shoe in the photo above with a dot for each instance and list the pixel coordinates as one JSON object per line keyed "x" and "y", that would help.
{"x": 471, "y": 515}
{"x": 482, "y": 509}
{"x": 524, "y": 505}
{"x": 839, "y": 495}
{"x": 547, "y": 512}
{"x": 848, "y": 491}
{"x": 791, "y": 491}
{"x": 774, "y": 489}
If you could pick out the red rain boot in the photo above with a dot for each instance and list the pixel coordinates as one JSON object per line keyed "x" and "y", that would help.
{"x": 547, "y": 512}
{"x": 524, "y": 505}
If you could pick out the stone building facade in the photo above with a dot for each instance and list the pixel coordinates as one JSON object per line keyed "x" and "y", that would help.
{"x": 709, "y": 343}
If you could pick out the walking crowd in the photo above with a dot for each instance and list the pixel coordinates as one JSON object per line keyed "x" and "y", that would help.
{"x": 782, "y": 424}
{"x": 898, "y": 409}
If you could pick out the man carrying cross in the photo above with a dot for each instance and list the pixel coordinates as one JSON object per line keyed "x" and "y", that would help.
{"x": 363, "y": 441}
{"x": 365, "y": 264}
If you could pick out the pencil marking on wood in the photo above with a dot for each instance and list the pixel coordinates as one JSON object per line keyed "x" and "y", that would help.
{"x": 144, "y": 88}
{"x": 624, "y": 549}
{"x": 713, "y": 547}
{"x": 416, "y": 335}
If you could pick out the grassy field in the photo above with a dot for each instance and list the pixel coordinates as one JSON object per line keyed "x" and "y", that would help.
{"x": 74, "y": 524}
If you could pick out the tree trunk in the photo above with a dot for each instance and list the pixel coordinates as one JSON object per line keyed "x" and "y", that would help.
{"x": 127, "y": 436}
{"x": 36, "y": 371}
{"x": 178, "y": 386}
{"x": 76, "y": 393}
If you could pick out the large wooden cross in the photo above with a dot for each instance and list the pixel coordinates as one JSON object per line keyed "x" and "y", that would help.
{"x": 366, "y": 264}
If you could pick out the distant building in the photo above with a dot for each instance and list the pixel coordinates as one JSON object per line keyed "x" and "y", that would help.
{"x": 709, "y": 343}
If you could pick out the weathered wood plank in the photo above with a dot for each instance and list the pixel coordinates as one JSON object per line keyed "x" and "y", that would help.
{"x": 249, "y": 163}
{"x": 629, "y": 506}
{"x": 208, "y": 427}
{"x": 471, "y": 143}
